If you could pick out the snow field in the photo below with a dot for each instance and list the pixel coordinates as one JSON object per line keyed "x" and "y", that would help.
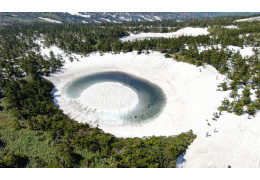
{"x": 191, "y": 101}
{"x": 50, "y": 20}
{"x": 188, "y": 31}
{"x": 249, "y": 19}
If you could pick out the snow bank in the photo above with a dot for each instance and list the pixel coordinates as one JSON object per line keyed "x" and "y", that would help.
{"x": 246, "y": 51}
{"x": 236, "y": 142}
{"x": 158, "y": 18}
{"x": 45, "y": 51}
{"x": 191, "y": 101}
{"x": 231, "y": 27}
{"x": 78, "y": 14}
{"x": 188, "y": 31}
{"x": 249, "y": 19}
{"x": 244, "y": 35}
{"x": 205, "y": 48}
{"x": 50, "y": 20}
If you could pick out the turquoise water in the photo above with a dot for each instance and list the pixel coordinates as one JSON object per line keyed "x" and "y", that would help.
{"x": 150, "y": 96}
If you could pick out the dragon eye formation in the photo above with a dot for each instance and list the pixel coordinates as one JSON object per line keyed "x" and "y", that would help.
{"x": 115, "y": 98}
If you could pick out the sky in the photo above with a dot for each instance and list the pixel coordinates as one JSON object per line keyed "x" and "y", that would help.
{"x": 129, "y": 6}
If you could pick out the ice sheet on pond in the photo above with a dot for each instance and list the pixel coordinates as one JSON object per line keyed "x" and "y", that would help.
{"x": 150, "y": 98}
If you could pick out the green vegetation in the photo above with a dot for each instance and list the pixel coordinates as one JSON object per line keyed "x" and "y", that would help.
{"x": 224, "y": 86}
{"x": 36, "y": 148}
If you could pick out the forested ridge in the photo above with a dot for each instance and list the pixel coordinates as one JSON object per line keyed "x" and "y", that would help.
{"x": 28, "y": 115}
{"x": 116, "y": 17}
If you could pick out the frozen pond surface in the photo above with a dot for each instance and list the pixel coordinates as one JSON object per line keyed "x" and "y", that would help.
{"x": 141, "y": 100}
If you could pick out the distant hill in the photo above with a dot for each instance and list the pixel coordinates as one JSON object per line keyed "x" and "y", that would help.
{"x": 101, "y": 17}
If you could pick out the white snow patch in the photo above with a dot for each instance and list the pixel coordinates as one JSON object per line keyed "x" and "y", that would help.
{"x": 78, "y": 14}
{"x": 205, "y": 48}
{"x": 50, "y": 20}
{"x": 231, "y": 27}
{"x": 249, "y": 19}
{"x": 244, "y": 35}
{"x": 246, "y": 51}
{"x": 45, "y": 51}
{"x": 253, "y": 95}
{"x": 158, "y": 18}
{"x": 124, "y": 18}
{"x": 188, "y": 31}
{"x": 108, "y": 20}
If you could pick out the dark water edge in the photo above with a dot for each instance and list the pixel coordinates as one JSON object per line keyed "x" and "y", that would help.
{"x": 151, "y": 97}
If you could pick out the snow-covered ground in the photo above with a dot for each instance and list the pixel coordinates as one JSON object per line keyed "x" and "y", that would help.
{"x": 50, "y": 20}
{"x": 231, "y": 27}
{"x": 187, "y": 107}
{"x": 235, "y": 143}
{"x": 188, "y": 31}
{"x": 244, "y": 35}
{"x": 246, "y": 51}
{"x": 249, "y": 19}
{"x": 191, "y": 101}
{"x": 78, "y": 14}
{"x": 57, "y": 51}
{"x": 205, "y": 48}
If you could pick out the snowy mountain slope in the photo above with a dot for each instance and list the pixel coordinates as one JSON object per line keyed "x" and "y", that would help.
{"x": 99, "y": 17}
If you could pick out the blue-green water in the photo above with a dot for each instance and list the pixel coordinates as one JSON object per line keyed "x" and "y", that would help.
{"x": 150, "y": 96}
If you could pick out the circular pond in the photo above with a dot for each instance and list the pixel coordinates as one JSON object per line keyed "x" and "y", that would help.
{"x": 116, "y": 98}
